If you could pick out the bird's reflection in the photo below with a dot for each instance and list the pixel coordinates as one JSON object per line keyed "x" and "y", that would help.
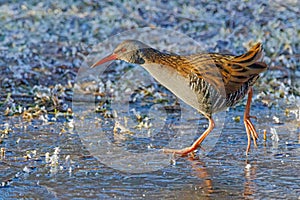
{"x": 200, "y": 170}
{"x": 250, "y": 176}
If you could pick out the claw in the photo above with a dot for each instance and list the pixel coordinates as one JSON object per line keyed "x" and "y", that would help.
{"x": 250, "y": 129}
{"x": 253, "y": 117}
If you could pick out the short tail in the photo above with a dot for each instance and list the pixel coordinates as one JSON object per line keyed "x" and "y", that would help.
{"x": 252, "y": 60}
{"x": 244, "y": 69}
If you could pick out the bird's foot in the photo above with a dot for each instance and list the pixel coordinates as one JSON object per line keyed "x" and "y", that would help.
{"x": 196, "y": 144}
{"x": 191, "y": 151}
{"x": 250, "y": 129}
{"x": 253, "y": 117}
{"x": 181, "y": 152}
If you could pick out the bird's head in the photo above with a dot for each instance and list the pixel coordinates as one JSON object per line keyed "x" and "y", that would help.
{"x": 129, "y": 50}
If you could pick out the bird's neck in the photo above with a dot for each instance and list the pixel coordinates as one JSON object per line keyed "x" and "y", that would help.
{"x": 172, "y": 61}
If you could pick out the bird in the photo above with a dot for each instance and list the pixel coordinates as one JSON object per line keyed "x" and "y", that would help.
{"x": 208, "y": 82}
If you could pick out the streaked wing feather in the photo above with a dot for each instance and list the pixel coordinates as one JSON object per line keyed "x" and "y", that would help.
{"x": 234, "y": 71}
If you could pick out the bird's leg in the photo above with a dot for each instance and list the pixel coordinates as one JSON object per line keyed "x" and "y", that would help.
{"x": 196, "y": 144}
{"x": 250, "y": 129}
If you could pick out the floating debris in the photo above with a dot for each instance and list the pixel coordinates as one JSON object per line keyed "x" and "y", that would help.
{"x": 6, "y": 129}
{"x": 145, "y": 123}
{"x": 119, "y": 128}
{"x": 237, "y": 118}
{"x": 6, "y": 183}
{"x": 265, "y": 135}
{"x": 276, "y": 120}
{"x": 52, "y": 160}
{"x": 2, "y": 153}
{"x": 248, "y": 166}
{"x": 274, "y": 136}
{"x": 27, "y": 170}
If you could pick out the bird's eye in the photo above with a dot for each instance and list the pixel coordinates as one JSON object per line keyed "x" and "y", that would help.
{"x": 123, "y": 50}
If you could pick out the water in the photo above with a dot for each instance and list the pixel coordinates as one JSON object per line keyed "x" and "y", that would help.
{"x": 269, "y": 171}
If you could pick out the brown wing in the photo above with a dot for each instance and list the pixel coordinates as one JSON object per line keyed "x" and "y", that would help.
{"x": 241, "y": 69}
{"x": 227, "y": 71}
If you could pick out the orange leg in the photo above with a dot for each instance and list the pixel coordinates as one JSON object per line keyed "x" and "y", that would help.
{"x": 250, "y": 129}
{"x": 196, "y": 144}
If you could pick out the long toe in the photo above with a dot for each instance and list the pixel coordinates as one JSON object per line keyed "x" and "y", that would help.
{"x": 182, "y": 152}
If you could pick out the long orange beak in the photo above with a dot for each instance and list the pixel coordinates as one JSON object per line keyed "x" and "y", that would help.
{"x": 104, "y": 60}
